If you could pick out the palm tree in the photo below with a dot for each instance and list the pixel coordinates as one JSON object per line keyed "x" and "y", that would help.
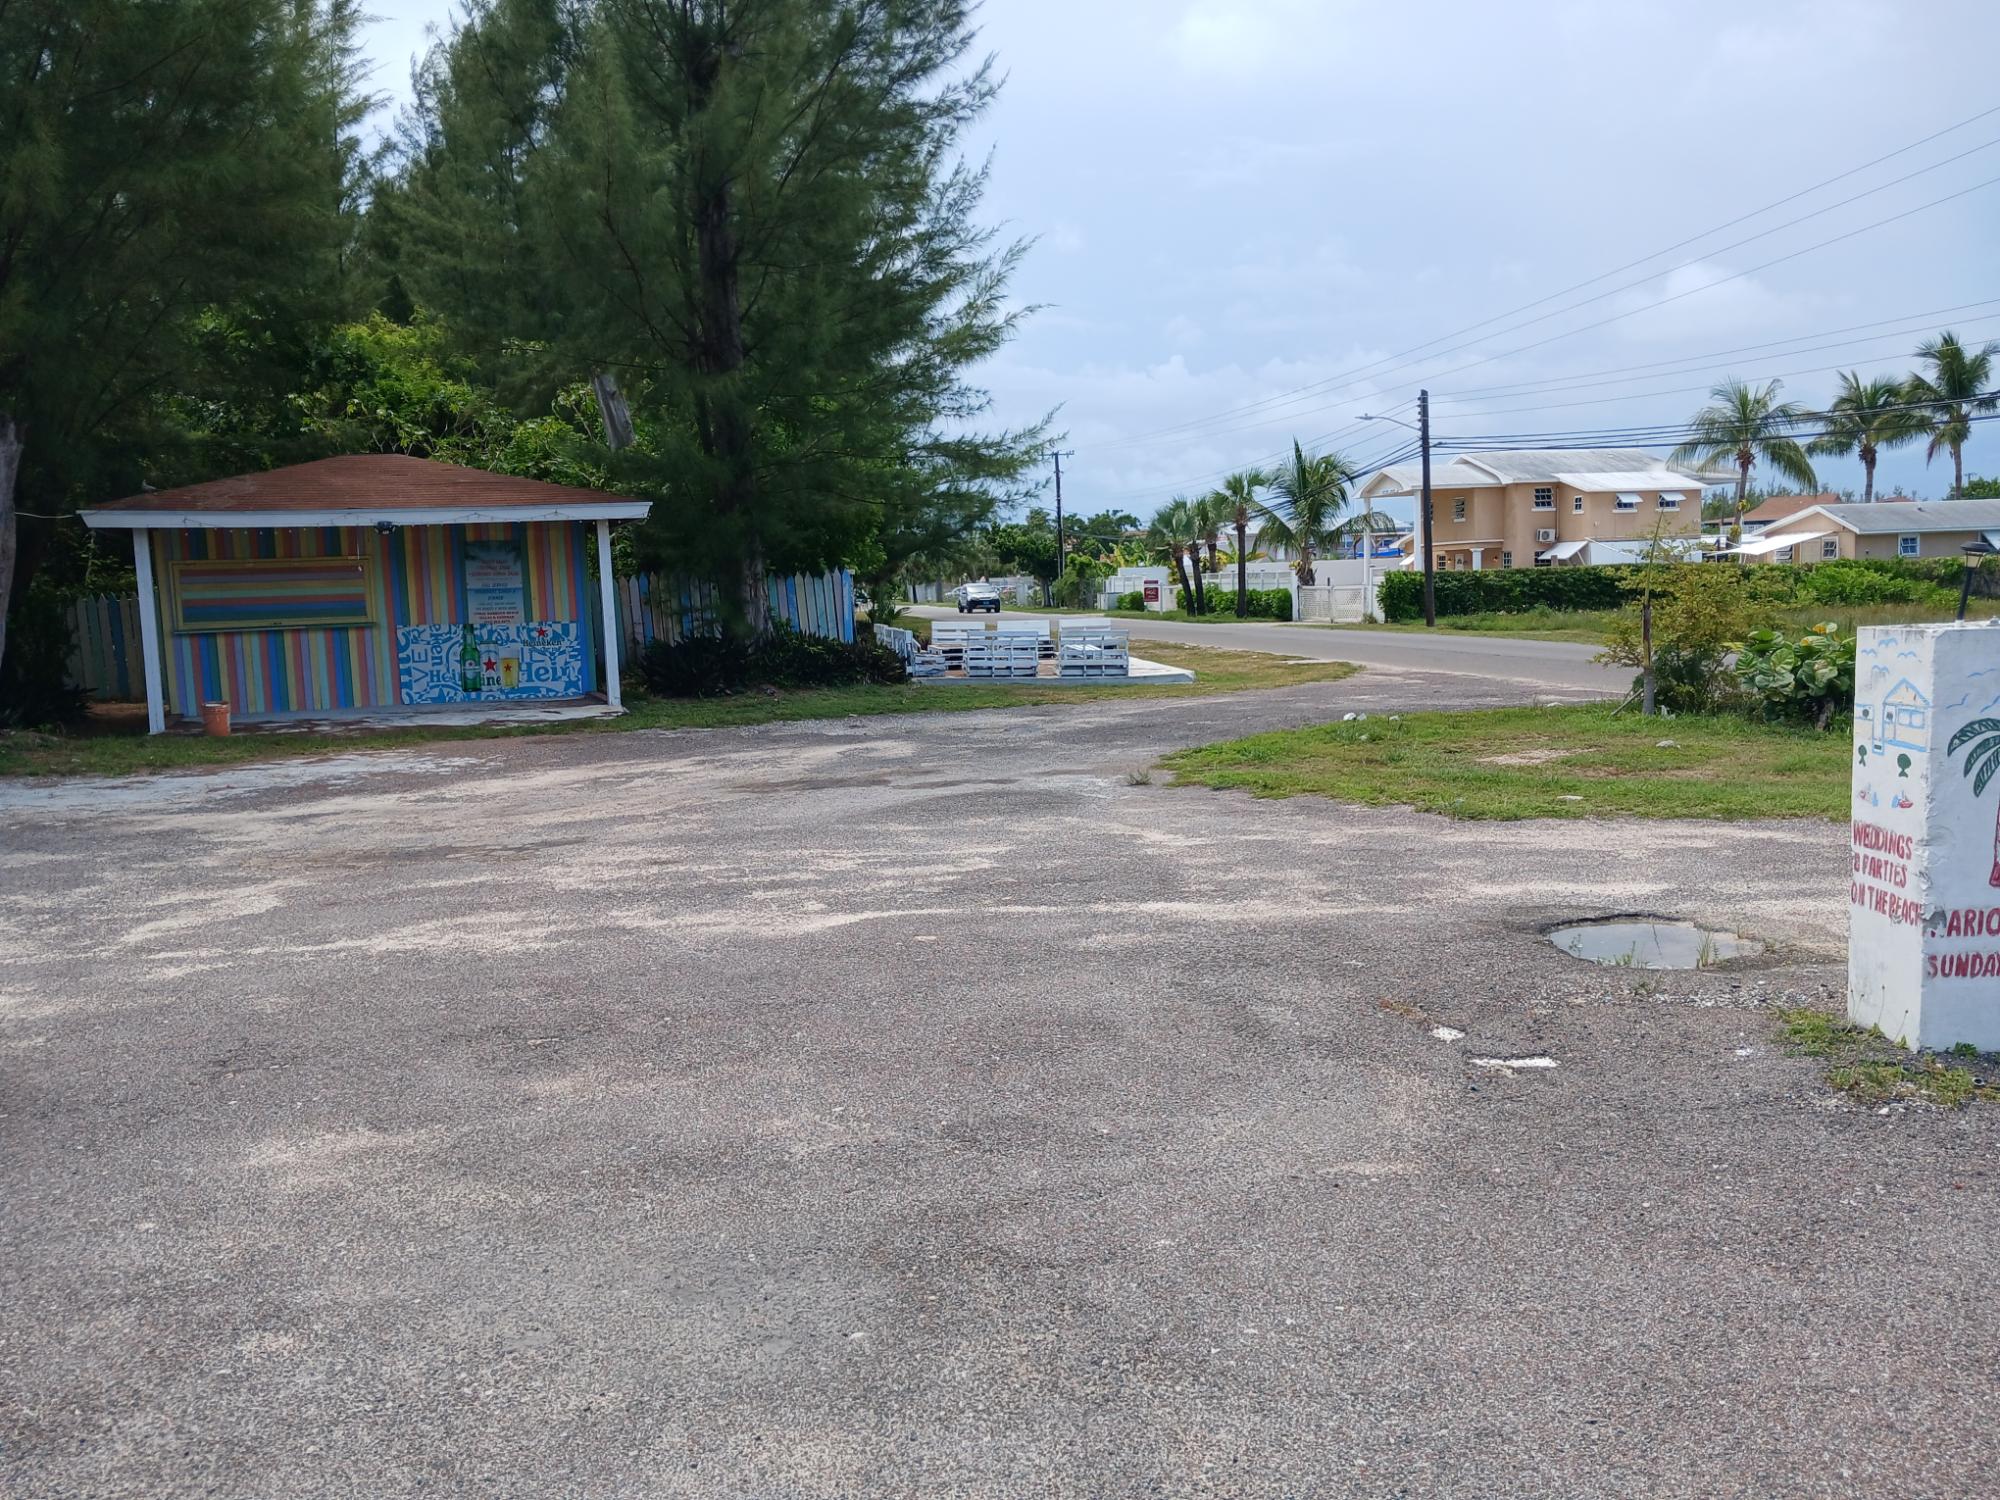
{"x": 1311, "y": 495}
{"x": 1982, "y": 763}
{"x": 1866, "y": 417}
{"x": 1171, "y": 527}
{"x": 1238, "y": 500}
{"x": 1211, "y": 516}
{"x": 1954, "y": 392}
{"x": 1744, "y": 424}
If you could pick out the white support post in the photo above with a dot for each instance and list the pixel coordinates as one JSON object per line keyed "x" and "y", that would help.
{"x": 149, "y": 631}
{"x": 1367, "y": 567}
{"x": 612, "y": 695}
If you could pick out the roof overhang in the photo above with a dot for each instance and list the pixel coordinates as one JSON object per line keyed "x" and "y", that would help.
{"x": 1758, "y": 546}
{"x": 441, "y": 515}
{"x": 1562, "y": 550}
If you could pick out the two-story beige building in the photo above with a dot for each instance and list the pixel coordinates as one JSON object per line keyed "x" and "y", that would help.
{"x": 1542, "y": 507}
{"x": 1922, "y": 529}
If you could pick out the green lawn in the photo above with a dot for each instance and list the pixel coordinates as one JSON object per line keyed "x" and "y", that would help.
{"x": 1178, "y": 616}
{"x": 1216, "y": 671}
{"x": 1574, "y": 761}
{"x": 1591, "y": 625}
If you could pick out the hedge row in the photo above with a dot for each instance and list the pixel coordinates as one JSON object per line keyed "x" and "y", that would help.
{"x": 1258, "y": 604}
{"x": 1509, "y": 591}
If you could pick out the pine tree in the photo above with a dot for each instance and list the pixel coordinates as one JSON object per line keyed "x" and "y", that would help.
{"x": 176, "y": 192}
{"x": 754, "y": 214}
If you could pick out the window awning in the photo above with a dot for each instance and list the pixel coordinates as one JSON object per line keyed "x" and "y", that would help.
{"x": 1629, "y": 497}
{"x": 1759, "y": 546}
{"x": 1672, "y": 497}
{"x": 1562, "y": 550}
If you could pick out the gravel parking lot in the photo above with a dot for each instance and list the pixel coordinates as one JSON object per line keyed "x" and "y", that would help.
{"x": 933, "y": 1106}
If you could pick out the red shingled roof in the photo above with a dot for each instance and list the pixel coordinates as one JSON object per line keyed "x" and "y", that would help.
{"x": 362, "y": 481}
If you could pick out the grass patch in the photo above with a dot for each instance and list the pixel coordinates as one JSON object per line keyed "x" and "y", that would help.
{"x": 1872, "y": 1071}
{"x": 1574, "y": 761}
{"x": 1216, "y": 671}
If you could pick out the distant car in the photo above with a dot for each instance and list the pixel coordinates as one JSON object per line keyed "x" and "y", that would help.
{"x": 971, "y": 596}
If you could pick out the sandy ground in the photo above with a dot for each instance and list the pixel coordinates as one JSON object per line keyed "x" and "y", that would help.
{"x": 922, "y": 1107}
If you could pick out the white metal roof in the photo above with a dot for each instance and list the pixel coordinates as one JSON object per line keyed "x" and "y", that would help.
{"x": 1562, "y": 550}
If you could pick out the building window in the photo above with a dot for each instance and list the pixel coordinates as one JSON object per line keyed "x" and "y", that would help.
{"x": 1626, "y": 501}
{"x": 1458, "y": 509}
{"x": 1784, "y": 555}
{"x": 1576, "y": 504}
{"x": 1669, "y": 500}
{"x": 1909, "y": 546}
{"x": 1506, "y": 559}
{"x": 1545, "y": 499}
{"x": 1830, "y": 547}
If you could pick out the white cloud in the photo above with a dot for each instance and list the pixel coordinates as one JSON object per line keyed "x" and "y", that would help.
{"x": 1704, "y": 305}
{"x": 1241, "y": 38}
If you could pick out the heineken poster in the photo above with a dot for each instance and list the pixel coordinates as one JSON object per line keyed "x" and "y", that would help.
{"x": 480, "y": 663}
{"x": 493, "y": 584}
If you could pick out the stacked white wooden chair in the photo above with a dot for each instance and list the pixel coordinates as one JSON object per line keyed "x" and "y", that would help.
{"x": 1095, "y": 653}
{"x": 1002, "y": 653}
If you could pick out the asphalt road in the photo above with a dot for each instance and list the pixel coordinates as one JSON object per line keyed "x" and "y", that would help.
{"x": 935, "y": 1107}
{"x": 1497, "y": 659}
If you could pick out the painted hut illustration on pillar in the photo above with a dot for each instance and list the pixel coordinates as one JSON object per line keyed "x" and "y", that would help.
{"x": 1899, "y": 719}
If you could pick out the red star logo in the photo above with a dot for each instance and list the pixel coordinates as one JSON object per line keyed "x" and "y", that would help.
{"x": 541, "y": 630}
{"x": 491, "y": 664}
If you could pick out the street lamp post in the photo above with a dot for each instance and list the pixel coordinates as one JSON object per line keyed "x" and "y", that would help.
{"x": 1424, "y": 519}
{"x": 1976, "y": 553}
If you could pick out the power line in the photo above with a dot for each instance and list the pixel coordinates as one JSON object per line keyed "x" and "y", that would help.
{"x": 1396, "y": 361}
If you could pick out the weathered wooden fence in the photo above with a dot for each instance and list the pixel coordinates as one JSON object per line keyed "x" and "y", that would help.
{"x": 656, "y": 608}
{"x": 104, "y": 655}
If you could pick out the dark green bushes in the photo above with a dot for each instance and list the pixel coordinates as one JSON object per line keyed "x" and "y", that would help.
{"x": 1925, "y": 580}
{"x": 712, "y": 666}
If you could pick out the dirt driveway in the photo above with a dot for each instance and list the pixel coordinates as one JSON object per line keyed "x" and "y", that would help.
{"x": 921, "y": 1107}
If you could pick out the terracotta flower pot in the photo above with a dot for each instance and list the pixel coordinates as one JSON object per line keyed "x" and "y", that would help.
{"x": 215, "y": 718}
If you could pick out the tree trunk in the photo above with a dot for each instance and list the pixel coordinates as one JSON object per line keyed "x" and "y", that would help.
{"x": 1307, "y": 577}
{"x": 1242, "y": 565}
{"x": 10, "y": 466}
{"x": 1743, "y": 462}
{"x": 1180, "y": 572}
{"x": 1649, "y": 704}
{"x": 1957, "y": 470}
{"x": 724, "y": 424}
{"x": 1867, "y": 476}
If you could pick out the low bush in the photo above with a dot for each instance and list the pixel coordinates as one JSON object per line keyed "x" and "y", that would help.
{"x": 1809, "y": 678}
{"x": 35, "y": 691}
{"x": 1857, "y": 583}
{"x": 712, "y": 666}
{"x": 1258, "y": 604}
{"x": 1505, "y": 591}
{"x": 1136, "y": 599}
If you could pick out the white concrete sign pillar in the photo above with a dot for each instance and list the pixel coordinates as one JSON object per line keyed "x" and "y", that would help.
{"x": 1923, "y": 957}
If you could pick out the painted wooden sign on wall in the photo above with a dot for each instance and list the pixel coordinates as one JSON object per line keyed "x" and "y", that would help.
{"x": 262, "y": 593}
{"x": 484, "y": 663}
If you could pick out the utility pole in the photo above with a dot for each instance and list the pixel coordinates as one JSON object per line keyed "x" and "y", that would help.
{"x": 1060, "y": 560}
{"x": 1424, "y": 514}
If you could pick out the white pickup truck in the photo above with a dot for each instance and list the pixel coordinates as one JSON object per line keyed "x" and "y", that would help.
{"x": 972, "y": 596}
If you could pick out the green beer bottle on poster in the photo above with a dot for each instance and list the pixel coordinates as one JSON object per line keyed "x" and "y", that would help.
{"x": 469, "y": 676}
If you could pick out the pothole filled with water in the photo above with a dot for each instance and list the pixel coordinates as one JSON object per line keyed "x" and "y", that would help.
{"x": 1636, "y": 943}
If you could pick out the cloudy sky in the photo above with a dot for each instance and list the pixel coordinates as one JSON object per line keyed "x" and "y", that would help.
{"x": 1260, "y": 219}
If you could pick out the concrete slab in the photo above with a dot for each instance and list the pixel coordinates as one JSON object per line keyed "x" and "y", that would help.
{"x": 436, "y": 716}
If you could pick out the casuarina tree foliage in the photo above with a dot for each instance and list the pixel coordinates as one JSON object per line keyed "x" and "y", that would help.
{"x": 755, "y": 216}
{"x": 176, "y": 194}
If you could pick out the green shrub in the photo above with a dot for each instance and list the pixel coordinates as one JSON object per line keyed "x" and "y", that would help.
{"x": 1856, "y": 583}
{"x": 710, "y": 666}
{"x": 35, "y": 691}
{"x": 1258, "y": 604}
{"x": 1136, "y": 599}
{"x": 1809, "y": 679}
{"x": 1505, "y": 591}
